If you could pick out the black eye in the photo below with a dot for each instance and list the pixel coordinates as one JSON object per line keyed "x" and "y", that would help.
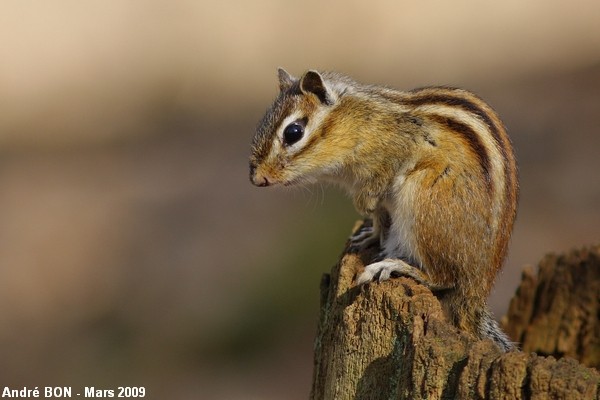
{"x": 292, "y": 133}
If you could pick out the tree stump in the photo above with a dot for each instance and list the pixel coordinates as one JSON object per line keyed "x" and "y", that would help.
{"x": 557, "y": 311}
{"x": 390, "y": 340}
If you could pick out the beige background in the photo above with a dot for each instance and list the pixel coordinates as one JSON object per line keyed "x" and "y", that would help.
{"x": 133, "y": 250}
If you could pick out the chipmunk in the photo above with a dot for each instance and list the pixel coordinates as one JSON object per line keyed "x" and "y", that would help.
{"x": 433, "y": 168}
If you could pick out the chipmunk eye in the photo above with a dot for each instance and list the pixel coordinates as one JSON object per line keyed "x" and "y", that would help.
{"x": 292, "y": 133}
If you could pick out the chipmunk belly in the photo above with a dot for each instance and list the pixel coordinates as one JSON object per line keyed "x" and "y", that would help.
{"x": 400, "y": 241}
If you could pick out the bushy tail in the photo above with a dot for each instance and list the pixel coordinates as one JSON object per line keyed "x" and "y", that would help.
{"x": 489, "y": 329}
{"x": 471, "y": 315}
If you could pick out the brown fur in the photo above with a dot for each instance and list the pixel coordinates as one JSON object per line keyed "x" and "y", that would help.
{"x": 436, "y": 162}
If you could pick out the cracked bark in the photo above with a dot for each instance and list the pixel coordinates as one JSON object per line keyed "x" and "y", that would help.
{"x": 390, "y": 340}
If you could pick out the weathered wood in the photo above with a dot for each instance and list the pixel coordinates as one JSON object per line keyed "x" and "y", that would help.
{"x": 390, "y": 341}
{"x": 557, "y": 311}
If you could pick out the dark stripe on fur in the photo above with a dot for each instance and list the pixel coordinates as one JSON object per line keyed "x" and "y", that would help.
{"x": 267, "y": 127}
{"x": 498, "y": 133}
{"x": 457, "y": 98}
{"x": 472, "y": 138}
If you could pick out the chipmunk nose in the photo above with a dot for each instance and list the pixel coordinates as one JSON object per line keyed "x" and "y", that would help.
{"x": 256, "y": 178}
{"x": 262, "y": 182}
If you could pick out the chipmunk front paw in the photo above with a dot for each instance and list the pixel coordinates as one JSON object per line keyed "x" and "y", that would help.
{"x": 386, "y": 269}
{"x": 364, "y": 238}
{"x": 395, "y": 268}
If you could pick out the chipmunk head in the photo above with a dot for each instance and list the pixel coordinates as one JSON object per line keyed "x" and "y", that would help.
{"x": 287, "y": 145}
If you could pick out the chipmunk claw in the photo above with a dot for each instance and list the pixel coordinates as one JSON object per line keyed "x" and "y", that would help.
{"x": 388, "y": 268}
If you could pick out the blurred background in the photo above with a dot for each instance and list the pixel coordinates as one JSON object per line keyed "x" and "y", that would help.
{"x": 134, "y": 251}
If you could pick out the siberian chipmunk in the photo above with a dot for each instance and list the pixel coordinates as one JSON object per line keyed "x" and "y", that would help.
{"x": 433, "y": 168}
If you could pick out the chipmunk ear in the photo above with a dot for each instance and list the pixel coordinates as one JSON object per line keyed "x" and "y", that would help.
{"x": 285, "y": 79}
{"x": 312, "y": 82}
